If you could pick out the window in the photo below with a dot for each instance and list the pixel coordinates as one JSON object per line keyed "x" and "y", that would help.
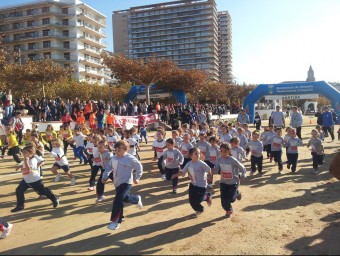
{"x": 32, "y": 56}
{"x": 64, "y": 10}
{"x": 65, "y": 33}
{"x": 46, "y": 32}
{"x": 65, "y": 22}
{"x": 46, "y": 44}
{"x": 67, "y": 56}
{"x": 47, "y": 55}
{"x": 17, "y": 47}
{"x": 30, "y": 12}
{"x": 2, "y": 28}
{"x": 16, "y": 37}
{"x": 46, "y": 21}
{"x": 32, "y": 46}
{"x": 66, "y": 45}
{"x": 15, "y": 25}
{"x": 30, "y": 23}
{"x": 45, "y": 9}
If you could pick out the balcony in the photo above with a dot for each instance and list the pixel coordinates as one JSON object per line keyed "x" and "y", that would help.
{"x": 89, "y": 61}
{"x": 92, "y": 73}
{"x": 39, "y": 25}
{"x": 90, "y": 30}
{"x": 21, "y": 16}
{"x": 92, "y": 52}
{"x": 89, "y": 18}
{"x": 94, "y": 42}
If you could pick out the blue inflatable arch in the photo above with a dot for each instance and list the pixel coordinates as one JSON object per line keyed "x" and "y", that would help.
{"x": 298, "y": 88}
{"x": 140, "y": 89}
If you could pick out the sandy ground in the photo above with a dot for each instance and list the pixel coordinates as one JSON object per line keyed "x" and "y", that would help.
{"x": 278, "y": 214}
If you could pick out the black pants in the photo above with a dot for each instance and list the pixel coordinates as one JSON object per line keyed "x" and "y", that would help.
{"x": 14, "y": 152}
{"x": 268, "y": 149}
{"x": 258, "y": 127}
{"x": 277, "y": 155}
{"x": 66, "y": 144}
{"x": 100, "y": 185}
{"x": 327, "y": 129}
{"x": 256, "y": 161}
{"x": 196, "y": 196}
{"x": 228, "y": 195}
{"x": 292, "y": 160}
{"x": 122, "y": 196}
{"x": 160, "y": 165}
{"x": 317, "y": 160}
{"x": 298, "y": 132}
{"x": 94, "y": 172}
{"x": 169, "y": 172}
{"x": 38, "y": 186}
{"x": 19, "y": 135}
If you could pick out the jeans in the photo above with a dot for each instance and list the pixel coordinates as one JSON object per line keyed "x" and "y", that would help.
{"x": 228, "y": 195}
{"x": 298, "y": 132}
{"x": 328, "y": 129}
{"x": 256, "y": 161}
{"x": 292, "y": 160}
{"x": 169, "y": 172}
{"x": 38, "y": 186}
{"x": 8, "y": 112}
{"x": 79, "y": 153}
{"x": 94, "y": 172}
{"x": 277, "y": 155}
{"x": 196, "y": 196}
{"x": 122, "y": 196}
{"x": 143, "y": 134}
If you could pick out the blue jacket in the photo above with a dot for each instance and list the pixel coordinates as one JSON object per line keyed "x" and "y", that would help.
{"x": 327, "y": 119}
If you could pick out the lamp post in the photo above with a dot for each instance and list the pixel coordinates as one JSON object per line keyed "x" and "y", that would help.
{"x": 198, "y": 97}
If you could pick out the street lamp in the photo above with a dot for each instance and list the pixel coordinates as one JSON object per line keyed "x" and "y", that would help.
{"x": 198, "y": 97}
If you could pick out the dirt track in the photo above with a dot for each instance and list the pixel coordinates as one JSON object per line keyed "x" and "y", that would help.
{"x": 279, "y": 214}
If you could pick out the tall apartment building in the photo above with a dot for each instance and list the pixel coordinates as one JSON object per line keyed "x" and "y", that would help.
{"x": 68, "y": 32}
{"x": 184, "y": 31}
{"x": 224, "y": 49}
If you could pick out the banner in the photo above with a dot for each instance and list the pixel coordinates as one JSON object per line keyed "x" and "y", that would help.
{"x": 292, "y": 97}
{"x": 133, "y": 120}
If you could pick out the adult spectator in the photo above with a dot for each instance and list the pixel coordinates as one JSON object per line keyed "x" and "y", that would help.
{"x": 17, "y": 124}
{"x": 318, "y": 115}
{"x": 144, "y": 108}
{"x": 278, "y": 118}
{"x": 186, "y": 118}
{"x": 201, "y": 118}
{"x": 2, "y": 112}
{"x": 242, "y": 117}
{"x": 8, "y": 103}
{"x": 327, "y": 122}
{"x": 296, "y": 121}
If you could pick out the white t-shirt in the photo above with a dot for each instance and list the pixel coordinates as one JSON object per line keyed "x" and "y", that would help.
{"x": 59, "y": 156}
{"x": 159, "y": 147}
{"x": 79, "y": 140}
{"x": 34, "y": 175}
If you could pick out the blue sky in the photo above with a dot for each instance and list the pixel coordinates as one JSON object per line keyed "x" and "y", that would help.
{"x": 273, "y": 40}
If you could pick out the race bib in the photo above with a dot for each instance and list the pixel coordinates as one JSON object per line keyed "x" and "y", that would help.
{"x": 160, "y": 150}
{"x": 57, "y": 159}
{"x": 97, "y": 159}
{"x": 276, "y": 142}
{"x": 90, "y": 150}
{"x": 49, "y": 136}
{"x": 170, "y": 157}
{"x": 192, "y": 174}
{"x": 111, "y": 143}
{"x": 213, "y": 156}
{"x": 25, "y": 171}
{"x": 184, "y": 150}
{"x": 226, "y": 172}
{"x": 66, "y": 135}
{"x": 203, "y": 153}
{"x": 293, "y": 145}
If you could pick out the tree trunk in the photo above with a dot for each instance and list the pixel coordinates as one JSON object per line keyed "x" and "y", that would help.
{"x": 147, "y": 91}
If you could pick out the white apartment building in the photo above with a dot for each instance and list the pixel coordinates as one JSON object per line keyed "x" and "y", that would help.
{"x": 69, "y": 32}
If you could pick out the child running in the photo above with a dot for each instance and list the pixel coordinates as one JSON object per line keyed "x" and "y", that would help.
{"x": 31, "y": 179}
{"x": 158, "y": 146}
{"x": 276, "y": 148}
{"x": 96, "y": 162}
{"x": 256, "y": 149}
{"x": 60, "y": 162}
{"x": 198, "y": 172}
{"x": 292, "y": 150}
{"x": 213, "y": 154}
{"x": 229, "y": 169}
{"x": 172, "y": 160}
{"x": 122, "y": 166}
{"x": 317, "y": 150}
{"x": 5, "y": 228}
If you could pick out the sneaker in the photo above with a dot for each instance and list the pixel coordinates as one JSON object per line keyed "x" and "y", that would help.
{"x": 41, "y": 177}
{"x": 209, "y": 201}
{"x": 1, "y": 156}
{"x": 7, "y": 231}
{"x": 90, "y": 188}
{"x": 18, "y": 209}
{"x": 228, "y": 214}
{"x": 174, "y": 191}
{"x": 271, "y": 160}
{"x": 210, "y": 185}
{"x": 41, "y": 196}
{"x": 113, "y": 226}
{"x": 56, "y": 202}
{"x": 57, "y": 178}
{"x": 280, "y": 171}
{"x": 139, "y": 204}
{"x": 198, "y": 213}
{"x": 81, "y": 161}
{"x": 239, "y": 196}
{"x": 73, "y": 181}
{"x": 316, "y": 171}
{"x": 100, "y": 199}
{"x": 163, "y": 177}
{"x": 20, "y": 164}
